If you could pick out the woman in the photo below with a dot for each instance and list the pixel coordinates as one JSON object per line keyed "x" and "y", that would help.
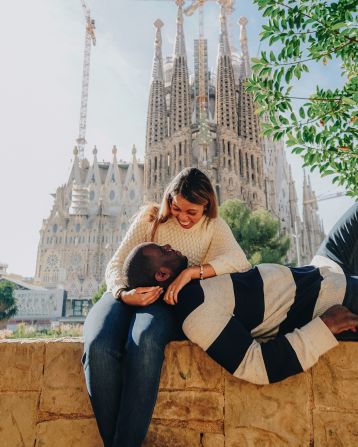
{"x": 125, "y": 337}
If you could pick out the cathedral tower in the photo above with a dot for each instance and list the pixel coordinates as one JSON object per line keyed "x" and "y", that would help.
{"x": 180, "y": 108}
{"x": 248, "y": 126}
{"x": 180, "y": 103}
{"x": 156, "y": 156}
{"x": 226, "y": 113}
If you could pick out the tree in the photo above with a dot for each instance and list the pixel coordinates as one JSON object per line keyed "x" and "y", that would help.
{"x": 7, "y": 301}
{"x": 99, "y": 293}
{"x": 257, "y": 232}
{"x": 322, "y": 127}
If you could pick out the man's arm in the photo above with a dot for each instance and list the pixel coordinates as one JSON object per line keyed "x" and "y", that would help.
{"x": 284, "y": 355}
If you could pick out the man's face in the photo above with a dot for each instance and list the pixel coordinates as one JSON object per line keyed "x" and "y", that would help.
{"x": 165, "y": 256}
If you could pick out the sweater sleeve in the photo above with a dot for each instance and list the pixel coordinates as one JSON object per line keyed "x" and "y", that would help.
{"x": 274, "y": 360}
{"x": 136, "y": 234}
{"x": 225, "y": 254}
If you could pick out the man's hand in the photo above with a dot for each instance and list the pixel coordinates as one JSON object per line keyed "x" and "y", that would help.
{"x": 141, "y": 296}
{"x": 171, "y": 295}
{"x": 339, "y": 319}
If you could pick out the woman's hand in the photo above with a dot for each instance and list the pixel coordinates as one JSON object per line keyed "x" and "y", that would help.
{"x": 141, "y": 296}
{"x": 171, "y": 295}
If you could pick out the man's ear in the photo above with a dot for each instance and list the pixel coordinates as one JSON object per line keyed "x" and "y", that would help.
{"x": 163, "y": 274}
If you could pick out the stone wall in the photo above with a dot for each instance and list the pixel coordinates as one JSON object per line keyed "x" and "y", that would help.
{"x": 44, "y": 403}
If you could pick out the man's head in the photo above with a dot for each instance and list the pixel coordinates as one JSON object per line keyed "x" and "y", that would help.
{"x": 151, "y": 264}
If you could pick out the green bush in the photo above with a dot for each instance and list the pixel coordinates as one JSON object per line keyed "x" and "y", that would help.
{"x": 25, "y": 330}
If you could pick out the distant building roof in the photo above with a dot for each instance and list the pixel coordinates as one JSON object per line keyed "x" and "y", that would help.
{"x": 20, "y": 282}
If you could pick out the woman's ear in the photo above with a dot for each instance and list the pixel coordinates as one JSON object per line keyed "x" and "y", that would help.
{"x": 163, "y": 274}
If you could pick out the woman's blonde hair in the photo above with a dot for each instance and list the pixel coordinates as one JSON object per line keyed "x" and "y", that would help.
{"x": 195, "y": 187}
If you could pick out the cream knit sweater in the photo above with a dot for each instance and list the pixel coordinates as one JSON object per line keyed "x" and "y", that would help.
{"x": 209, "y": 241}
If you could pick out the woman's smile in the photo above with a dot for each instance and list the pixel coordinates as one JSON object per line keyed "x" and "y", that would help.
{"x": 186, "y": 213}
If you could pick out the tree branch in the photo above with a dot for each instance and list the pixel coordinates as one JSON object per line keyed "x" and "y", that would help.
{"x": 351, "y": 39}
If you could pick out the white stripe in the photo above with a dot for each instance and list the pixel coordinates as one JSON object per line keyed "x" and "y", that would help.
{"x": 333, "y": 286}
{"x": 323, "y": 261}
{"x": 279, "y": 295}
{"x": 311, "y": 341}
{"x": 206, "y": 322}
{"x": 333, "y": 289}
{"x": 252, "y": 368}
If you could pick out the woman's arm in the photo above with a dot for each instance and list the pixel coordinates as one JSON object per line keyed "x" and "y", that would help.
{"x": 225, "y": 254}
{"x": 136, "y": 234}
{"x": 193, "y": 272}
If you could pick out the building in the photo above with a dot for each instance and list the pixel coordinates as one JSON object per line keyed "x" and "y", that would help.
{"x": 35, "y": 305}
{"x": 205, "y": 120}
{"x": 3, "y": 268}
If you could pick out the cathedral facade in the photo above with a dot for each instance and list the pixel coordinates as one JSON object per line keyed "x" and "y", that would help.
{"x": 219, "y": 134}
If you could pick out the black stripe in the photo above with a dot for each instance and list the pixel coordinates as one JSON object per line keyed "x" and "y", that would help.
{"x": 308, "y": 285}
{"x": 280, "y": 359}
{"x": 189, "y": 298}
{"x": 230, "y": 347}
{"x": 249, "y": 297}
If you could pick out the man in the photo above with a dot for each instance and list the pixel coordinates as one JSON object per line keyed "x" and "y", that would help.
{"x": 273, "y": 321}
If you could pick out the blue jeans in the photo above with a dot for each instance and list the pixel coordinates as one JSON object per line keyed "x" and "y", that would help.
{"x": 123, "y": 355}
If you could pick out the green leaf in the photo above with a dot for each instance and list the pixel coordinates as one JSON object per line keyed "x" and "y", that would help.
{"x": 338, "y": 25}
{"x": 290, "y": 143}
{"x": 328, "y": 172}
{"x": 349, "y": 101}
{"x": 254, "y": 60}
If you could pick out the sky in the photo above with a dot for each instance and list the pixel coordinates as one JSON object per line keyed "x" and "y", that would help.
{"x": 41, "y": 45}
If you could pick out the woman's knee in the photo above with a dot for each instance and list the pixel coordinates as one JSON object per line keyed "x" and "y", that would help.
{"x": 153, "y": 329}
{"x": 99, "y": 351}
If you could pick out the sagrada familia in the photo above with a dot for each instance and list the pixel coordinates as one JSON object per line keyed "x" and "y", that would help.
{"x": 220, "y": 135}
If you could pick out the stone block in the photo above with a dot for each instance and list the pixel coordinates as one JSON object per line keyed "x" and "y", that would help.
{"x": 202, "y": 410}
{"x": 279, "y": 414}
{"x": 21, "y": 365}
{"x": 335, "y": 378}
{"x": 163, "y": 436}
{"x": 64, "y": 386}
{"x": 18, "y": 418}
{"x": 335, "y": 429}
{"x": 186, "y": 366}
{"x": 212, "y": 440}
{"x": 257, "y": 437}
{"x": 68, "y": 433}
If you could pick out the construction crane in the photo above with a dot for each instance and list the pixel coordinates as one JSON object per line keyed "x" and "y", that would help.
{"x": 90, "y": 39}
{"x": 328, "y": 196}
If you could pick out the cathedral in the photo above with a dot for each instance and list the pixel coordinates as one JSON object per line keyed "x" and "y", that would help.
{"x": 204, "y": 119}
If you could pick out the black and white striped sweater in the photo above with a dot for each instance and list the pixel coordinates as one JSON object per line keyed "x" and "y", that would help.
{"x": 263, "y": 325}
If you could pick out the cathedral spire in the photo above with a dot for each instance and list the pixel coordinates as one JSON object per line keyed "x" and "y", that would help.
{"x": 157, "y": 70}
{"x": 156, "y": 119}
{"x": 226, "y": 112}
{"x": 249, "y": 125}
{"x": 306, "y": 190}
{"x": 179, "y": 49}
{"x": 311, "y": 219}
{"x": 180, "y": 109}
{"x": 224, "y": 45}
{"x": 244, "y": 47}
{"x": 75, "y": 174}
{"x": 134, "y": 154}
